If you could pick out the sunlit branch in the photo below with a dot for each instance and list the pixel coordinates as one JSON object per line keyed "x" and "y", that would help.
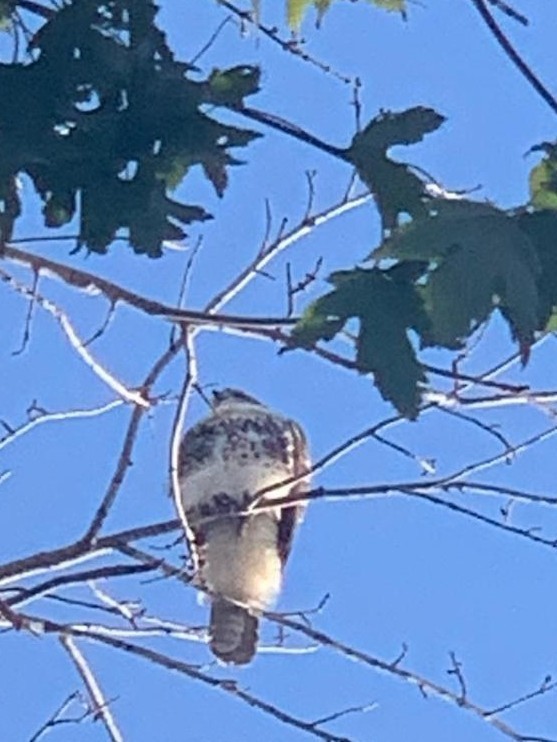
{"x": 281, "y": 243}
{"x": 124, "y": 460}
{"x": 421, "y": 491}
{"x": 25, "y": 595}
{"x": 491, "y": 461}
{"x": 114, "y": 293}
{"x": 160, "y": 629}
{"x": 77, "y": 344}
{"x": 45, "y": 417}
{"x": 101, "y": 708}
{"x": 127, "y": 610}
{"x": 178, "y": 430}
{"x": 89, "y": 282}
{"x": 449, "y": 400}
{"x": 426, "y": 686}
{"x": 228, "y": 686}
{"x": 79, "y": 551}
{"x": 502, "y": 491}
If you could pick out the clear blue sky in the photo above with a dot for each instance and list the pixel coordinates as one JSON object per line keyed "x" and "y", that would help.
{"x": 397, "y": 570}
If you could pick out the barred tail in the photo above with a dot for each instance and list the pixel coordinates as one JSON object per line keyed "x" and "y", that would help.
{"x": 233, "y": 632}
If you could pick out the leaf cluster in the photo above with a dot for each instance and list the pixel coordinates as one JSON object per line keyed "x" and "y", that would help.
{"x": 105, "y": 119}
{"x": 451, "y": 265}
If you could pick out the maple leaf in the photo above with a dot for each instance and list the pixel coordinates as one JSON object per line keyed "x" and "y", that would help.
{"x": 480, "y": 259}
{"x": 387, "y": 306}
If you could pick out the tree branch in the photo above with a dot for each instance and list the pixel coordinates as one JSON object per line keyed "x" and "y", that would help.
{"x": 513, "y": 55}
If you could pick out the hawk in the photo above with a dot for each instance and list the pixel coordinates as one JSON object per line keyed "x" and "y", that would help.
{"x": 225, "y": 460}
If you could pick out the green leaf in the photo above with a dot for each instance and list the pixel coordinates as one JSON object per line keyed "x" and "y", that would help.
{"x": 543, "y": 184}
{"x": 396, "y": 187}
{"x": 296, "y": 9}
{"x": 104, "y": 117}
{"x": 6, "y": 11}
{"x": 387, "y": 305}
{"x": 480, "y": 259}
{"x": 391, "y": 5}
{"x": 541, "y": 228}
{"x": 10, "y": 206}
{"x": 229, "y": 87}
{"x": 389, "y": 128}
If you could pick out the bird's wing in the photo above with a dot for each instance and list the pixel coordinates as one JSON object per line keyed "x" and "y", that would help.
{"x": 194, "y": 449}
{"x": 290, "y": 517}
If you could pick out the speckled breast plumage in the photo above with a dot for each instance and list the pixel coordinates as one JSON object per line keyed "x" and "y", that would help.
{"x": 228, "y": 459}
{"x": 238, "y": 556}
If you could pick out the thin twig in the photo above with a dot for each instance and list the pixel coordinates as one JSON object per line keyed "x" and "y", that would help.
{"x": 58, "y": 718}
{"x": 511, "y": 12}
{"x": 47, "y": 417}
{"x": 209, "y": 43}
{"x": 513, "y": 55}
{"x": 25, "y": 595}
{"x": 101, "y": 707}
{"x": 87, "y": 281}
{"x": 77, "y": 344}
{"x": 28, "y": 318}
{"x": 124, "y": 460}
{"x": 425, "y": 685}
{"x": 281, "y": 243}
{"x": 292, "y": 46}
{"x": 80, "y": 551}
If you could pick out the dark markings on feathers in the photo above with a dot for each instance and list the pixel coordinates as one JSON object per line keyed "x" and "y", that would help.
{"x": 252, "y": 439}
{"x": 233, "y": 632}
{"x": 199, "y": 443}
{"x": 221, "y": 504}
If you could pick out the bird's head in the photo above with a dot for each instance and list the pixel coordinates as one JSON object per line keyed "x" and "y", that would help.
{"x": 231, "y": 398}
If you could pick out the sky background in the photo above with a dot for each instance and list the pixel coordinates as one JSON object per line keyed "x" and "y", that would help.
{"x": 397, "y": 570}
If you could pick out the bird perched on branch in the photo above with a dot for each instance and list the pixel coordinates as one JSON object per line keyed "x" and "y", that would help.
{"x": 239, "y": 553}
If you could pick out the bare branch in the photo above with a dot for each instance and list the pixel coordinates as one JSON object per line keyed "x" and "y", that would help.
{"x": 101, "y": 708}
{"x": 456, "y": 670}
{"x": 46, "y": 417}
{"x": 425, "y": 685}
{"x": 25, "y": 595}
{"x": 77, "y": 344}
{"x": 510, "y": 11}
{"x": 546, "y": 687}
{"x": 209, "y": 43}
{"x": 228, "y": 686}
{"x": 513, "y": 55}
{"x": 178, "y": 430}
{"x": 28, "y": 318}
{"x": 124, "y": 460}
{"x": 292, "y": 46}
{"x": 89, "y": 282}
{"x": 281, "y": 243}
{"x": 58, "y": 717}
{"x": 79, "y": 551}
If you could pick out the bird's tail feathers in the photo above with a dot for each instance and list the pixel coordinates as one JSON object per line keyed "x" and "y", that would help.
{"x": 233, "y": 632}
